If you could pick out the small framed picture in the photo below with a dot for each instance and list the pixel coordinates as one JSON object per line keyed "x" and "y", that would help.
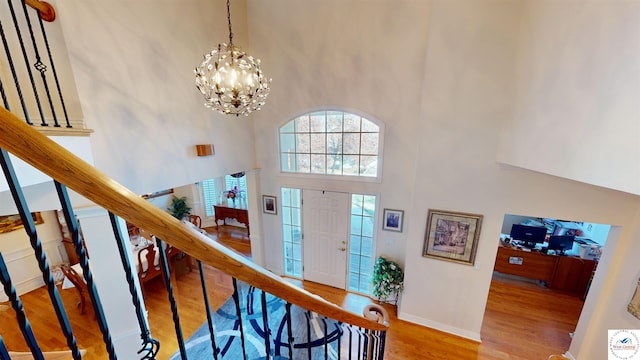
{"x": 392, "y": 220}
{"x": 269, "y": 204}
{"x": 452, "y": 236}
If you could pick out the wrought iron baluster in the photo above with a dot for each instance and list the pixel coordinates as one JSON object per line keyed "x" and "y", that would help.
{"x": 41, "y": 257}
{"x": 308, "y": 317}
{"x": 72, "y": 224}
{"x": 55, "y": 73}
{"x": 383, "y": 340}
{"x": 205, "y": 295}
{"x": 325, "y": 341}
{"x": 265, "y": 320}
{"x": 360, "y": 340}
{"x": 42, "y": 68}
{"x": 164, "y": 263}
{"x": 340, "y": 341}
{"x": 16, "y": 81}
{"x": 4, "y": 353}
{"x": 26, "y": 61}
{"x": 150, "y": 346}
{"x": 21, "y": 316}
{"x": 236, "y": 298}
{"x": 289, "y": 332}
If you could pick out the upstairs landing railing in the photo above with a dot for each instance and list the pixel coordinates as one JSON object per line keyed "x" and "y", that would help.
{"x": 357, "y": 338}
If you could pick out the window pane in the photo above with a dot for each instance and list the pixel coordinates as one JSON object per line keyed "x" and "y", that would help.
{"x": 355, "y": 244}
{"x": 360, "y": 245}
{"x": 367, "y": 226}
{"x": 334, "y": 143}
{"x": 318, "y": 143}
{"x": 304, "y": 161}
{"x": 318, "y": 162}
{"x": 286, "y": 234}
{"x": 334, "y": 164}
{"x": 369, "y": 144}
{"x": 295, "y": 216}
{"x": 351, "y": 123}
{"x": 287, "y": 162}
{"x": 302, "y": 124}
{"x": 356, "y": 204}
{"x": 304, "y": 143}
{"x": 286, "y": 197}
{"x": 356, "y": 225}
{"x": 368, "y": 126}
{"x": 334, "y": 121}
{"x": 287, "y": 143}
{"x": 351, "y": 143}
{"x": 350, "y": 164}
{"x": 318, "y": 122}
{"x": 368, "y": 165}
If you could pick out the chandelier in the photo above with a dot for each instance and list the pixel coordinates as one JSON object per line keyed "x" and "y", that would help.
{"x": 230, "y": 80}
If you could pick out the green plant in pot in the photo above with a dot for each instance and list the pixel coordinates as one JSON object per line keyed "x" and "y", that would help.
{"x": 388, "y": 280}
{"x": 179, "y": 207}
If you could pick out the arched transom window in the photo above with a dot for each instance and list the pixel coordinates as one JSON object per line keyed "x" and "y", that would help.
{"x": 330, "y": 142}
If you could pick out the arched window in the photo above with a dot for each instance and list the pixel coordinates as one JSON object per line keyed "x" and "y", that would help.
{"x": 330, "y": 142}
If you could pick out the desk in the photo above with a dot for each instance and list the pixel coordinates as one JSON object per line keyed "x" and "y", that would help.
{"x": 565, "y": 273}
{"x": 224, "y": 212}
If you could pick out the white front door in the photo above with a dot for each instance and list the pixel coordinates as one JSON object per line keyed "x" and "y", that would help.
{"x": 325, "y": 218}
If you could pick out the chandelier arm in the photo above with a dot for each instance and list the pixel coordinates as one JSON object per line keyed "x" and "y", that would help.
{"x": 229, "y": 19}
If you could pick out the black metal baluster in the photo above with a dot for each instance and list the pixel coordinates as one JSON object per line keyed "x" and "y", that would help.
{"x": 309, "y": 334}
{"x": 348, "y": 327}
{"x": 41, "y": 257}
{"x": 339, "y": 340}
{"x": 23, "y": 322}
{"x": 15, "y": 77}
{"x": 4, "y": 353}
{"x": 55, "y": 73}
{"x": 236, "y": 298}
{"x": 365, "y": 347}
{"x": 383, "y": 343}
{"x": 72, "y": 224}
{"x": 360, "y": 339}
{"x": 326, "y": 343}
{"x": 207, "y": 307}
{"x": 267, "y": 329}
{"x": 150, "y": 346}
{"x": 164, "y": 263}
{"x": 42, "y": 68}
{"x": 26, "y": 61}
{"x": 289, "y": 331}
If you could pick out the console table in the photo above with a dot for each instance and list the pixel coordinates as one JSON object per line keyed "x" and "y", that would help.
{"x": 224, "y": 212}
{"x": 565, "y": 273}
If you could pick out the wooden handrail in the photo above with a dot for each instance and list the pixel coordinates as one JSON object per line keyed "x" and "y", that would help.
{"x": 52, "y": 159}
{"x": 47, "y": 12}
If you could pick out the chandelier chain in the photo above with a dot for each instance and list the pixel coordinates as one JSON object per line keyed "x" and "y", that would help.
{"x": 229, "y": 20}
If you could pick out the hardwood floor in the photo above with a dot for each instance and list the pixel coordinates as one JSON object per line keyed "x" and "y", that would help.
{"x": 522, "y": 320}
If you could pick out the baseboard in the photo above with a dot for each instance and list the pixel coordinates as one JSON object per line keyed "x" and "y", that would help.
{"x": 568, "y": 355}
{"x": 474, "y": 336}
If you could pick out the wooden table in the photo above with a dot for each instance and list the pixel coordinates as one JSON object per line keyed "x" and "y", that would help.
{"x": 239, "y": 214}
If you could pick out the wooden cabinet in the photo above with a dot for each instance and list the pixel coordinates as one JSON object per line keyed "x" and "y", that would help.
{"x": 67, "y": 240}
{"x": 532, "y": 265}
{"x": 565, "y": 273}
{"x": 223, "y": 213}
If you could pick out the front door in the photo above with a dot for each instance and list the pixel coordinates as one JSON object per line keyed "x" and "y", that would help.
{"x": 326, "y": 231}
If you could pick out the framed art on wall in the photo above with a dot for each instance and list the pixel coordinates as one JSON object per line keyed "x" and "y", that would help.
{"x": 392, "y": 220}
{"x": 269, "y": 204}
{"x": 452, "y": 236}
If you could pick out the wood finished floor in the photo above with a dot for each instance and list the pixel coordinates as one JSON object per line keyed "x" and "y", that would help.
{"x": 522, "y": 321}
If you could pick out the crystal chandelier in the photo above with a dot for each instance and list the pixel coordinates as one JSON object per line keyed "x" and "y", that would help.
{"x": 230, "y": 80}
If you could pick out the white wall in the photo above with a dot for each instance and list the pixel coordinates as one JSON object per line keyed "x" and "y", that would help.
{"x": 133, "y": 62}
{"x": 20, "y": 258}
{"x": 576, "y": 92}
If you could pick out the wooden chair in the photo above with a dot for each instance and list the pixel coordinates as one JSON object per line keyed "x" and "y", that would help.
{"x": 78, "y": 283}
{"x": 196, "y": 220}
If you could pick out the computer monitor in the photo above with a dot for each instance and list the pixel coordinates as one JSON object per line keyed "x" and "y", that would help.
{"x": 561, "y": 243}
{"x": 529, "y": 235}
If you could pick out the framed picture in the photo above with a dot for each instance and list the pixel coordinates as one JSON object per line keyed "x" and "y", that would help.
{"x": 452, "y": 236}
{"x": 392, "y": 220}
{"x": 269, "y": 204}
{"x": 14, "y": 222}
{"x": 634, "y": 304}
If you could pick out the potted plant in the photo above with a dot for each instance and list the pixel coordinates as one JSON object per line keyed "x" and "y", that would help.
{"x": 388, "y": 279}
{"x": 179, "y": 207}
